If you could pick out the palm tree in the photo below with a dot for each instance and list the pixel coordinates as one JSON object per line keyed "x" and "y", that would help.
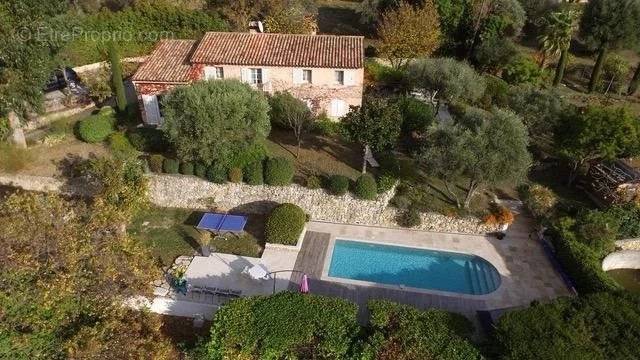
{"x": 556, "y": 38}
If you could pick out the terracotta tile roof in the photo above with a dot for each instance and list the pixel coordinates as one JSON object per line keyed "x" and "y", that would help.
{"x": 280, "y": 50}
{"x": 169, "y": 62}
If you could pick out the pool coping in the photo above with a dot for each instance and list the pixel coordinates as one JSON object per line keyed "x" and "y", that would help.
{"x": 327, "y": 264}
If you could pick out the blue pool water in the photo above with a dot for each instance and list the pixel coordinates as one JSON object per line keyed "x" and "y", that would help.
{"x": 411, "y": 267}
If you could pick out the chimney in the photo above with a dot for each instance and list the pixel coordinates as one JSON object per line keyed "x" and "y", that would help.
{"x": 256, "y": 27}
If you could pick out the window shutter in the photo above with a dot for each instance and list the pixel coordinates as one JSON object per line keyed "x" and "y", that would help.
{"x": 245, "y": 75}
{"x": 265, "y": 75}
{"x": 297, "y": 76}
{"x": 349, "y": 78}
{"x": 209, "y": 73}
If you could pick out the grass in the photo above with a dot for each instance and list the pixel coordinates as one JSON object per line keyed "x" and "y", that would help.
{"x": 319, "y": 155}
{"x": 14, "y": 159}
{"x": 170, "y": 232}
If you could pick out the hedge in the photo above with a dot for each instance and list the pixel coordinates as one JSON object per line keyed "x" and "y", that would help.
{"x": 433, "y": 334}
{"x": 147, "y": 139}
{"x": 366, "y": 187}
{"x": 253, "y": 173}
{"x": 200, "y": 170}
{"x": 288, "y": 325}
{"x": 338, "y": 184}
{"x": 120, "y": 145}
{"x": 155, "y": 163}
{"x": 285, "y": 224}
{"x": 235, "y": 175}
{"x": 96, "y": 128}
{"x": 170, "y": 166}
{"x": 313, "y": 182}
{"x": 278, "y": 172}
{"x": 217, "y": 174}
{"x": 186, "y": 168}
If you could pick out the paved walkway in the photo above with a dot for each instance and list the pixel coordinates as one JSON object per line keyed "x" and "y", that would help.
{"x": 526, "y": 273}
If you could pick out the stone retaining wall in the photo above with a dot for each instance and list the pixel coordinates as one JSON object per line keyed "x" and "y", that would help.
{"x": 193, "y": 193}
{"x": 626, "y": 259}
{"x": 628, "y": 244}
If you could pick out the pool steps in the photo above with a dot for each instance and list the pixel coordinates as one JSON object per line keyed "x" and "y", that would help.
{"x": 482, "y": 277}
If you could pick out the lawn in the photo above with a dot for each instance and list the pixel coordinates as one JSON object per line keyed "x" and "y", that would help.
{"x": 170, "y": 232}
{"x": 319, "y": 155}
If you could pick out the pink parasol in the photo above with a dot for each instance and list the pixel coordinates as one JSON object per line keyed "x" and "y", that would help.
{"x": 304, "y": 284}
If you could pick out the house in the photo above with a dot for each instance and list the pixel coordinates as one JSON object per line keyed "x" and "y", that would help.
{"x": 325, "y": 71}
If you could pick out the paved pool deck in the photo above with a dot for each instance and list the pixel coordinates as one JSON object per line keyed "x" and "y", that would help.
{"x": 525, "y": 271}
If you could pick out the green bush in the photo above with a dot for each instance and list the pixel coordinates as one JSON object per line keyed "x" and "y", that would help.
{"x": 417, "y": 116}
{"x": 120, "y": 145}
{"x": 540, "y": 201}
{"x": 410, "y": 218}
{"x": 522, "y": 71}
{"x": 147, "y": 139}
{"x": 200, "y": 170}
{"x": 313, "y": 182}
{"x": 325, "y": 126}
{"x": 96, "y": 128}
{"x": 235, "y": 175}
{"x": 216, "y": 173}
{"x": 253, "y": 173}
{"x": 171, "y": 166}
{"x": 186, "y": 168}
{"x": 366, "y": 187}
{"x": 284, "y": 225}
{"x": 338, "y": 184}
{"x": 386, "y": 183}
{"x": 278, "y": 172}
{"x": 253, "y": 154}
{"x": 433, "y": 334}
{"x": 287, "y": 325}
{"x": 155, "y": 163}
{"x": 389, "y": 163}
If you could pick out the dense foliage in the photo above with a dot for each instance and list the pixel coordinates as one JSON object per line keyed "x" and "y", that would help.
{"x": 375, "y": 124}
{"x": 253, "y": 173}
{"x": 98, "y": 127}
{"x": 447, "y": 79}
{"x": 599, "y": 326}
{"x": 116, "y": 77}
{"x": 408, "y": 32}
{"x": 148, "y": 139}
{"x": 170, "y": 166}
{"x": 66, "y": 273}
{"x": 417, "y": 116}
{"x": 338, "y": 184}
{"x": 230, "y": 118}
{"x": 284, "y": 225}
{"x": 286, "y": 325}
{"x": 403, "y": 332}
{"x": 495, "y": 54}
{"x": 278, "y": 171}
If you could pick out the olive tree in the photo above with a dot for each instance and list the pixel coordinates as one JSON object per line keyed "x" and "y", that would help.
{"x": 494, "y": 152}
{"x": 291, "y": 113}
{"x": 447, "y": 79}
{"x": 215, "y": 121}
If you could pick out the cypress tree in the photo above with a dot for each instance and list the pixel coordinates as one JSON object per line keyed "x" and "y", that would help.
{"x": 633, "y": 85}
{"x": 116, "y": 78}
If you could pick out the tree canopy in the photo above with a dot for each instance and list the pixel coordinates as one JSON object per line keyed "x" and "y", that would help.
{"x": 485, "y": 149}
{"x": 596, "y": 133}
{"x": 218, "y": 120}
{"x": 65, "y": 279}
{"x": 375, "y": 124}
{"x": 291, "y": 113}
{"x": 451, "y": 79}
{"x": 408, "y": 32}
{"x": 599, "y": 326}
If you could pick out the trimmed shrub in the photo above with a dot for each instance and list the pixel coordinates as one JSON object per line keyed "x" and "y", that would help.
{"x": 410, "y": 218}
{"x": 433, "y": 334}
{"x": 96, "y": 128}
{"x": 155, "y": 163}
{"x": 253, "y": 173}
{"x": 366, "y": 187}
{"x": 120, "y": 145}
{"x": 170, "y": 166}
{"x": 386, "y": 183}
{"x": 217, "y": 174}
{"x": 278, "y": 172}
{"x": 235, "y": 175}
{"x": 285, "y": 224}
{"x": 147, "y": 139}
{"x": 323, "y": 328}
{"x": 313, "y": 182}
{"x": 186, "y": 168}
{"x": 338, "y": 184}
{"x": 200, "y": 170}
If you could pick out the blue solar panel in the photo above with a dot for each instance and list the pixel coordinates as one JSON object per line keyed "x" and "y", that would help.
{"x": 222, "y": 222}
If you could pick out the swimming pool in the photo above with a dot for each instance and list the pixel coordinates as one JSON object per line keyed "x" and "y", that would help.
{"x": 412, "y": 267}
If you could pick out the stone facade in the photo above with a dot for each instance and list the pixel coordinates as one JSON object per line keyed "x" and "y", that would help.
{"x": 193, "y": 193}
